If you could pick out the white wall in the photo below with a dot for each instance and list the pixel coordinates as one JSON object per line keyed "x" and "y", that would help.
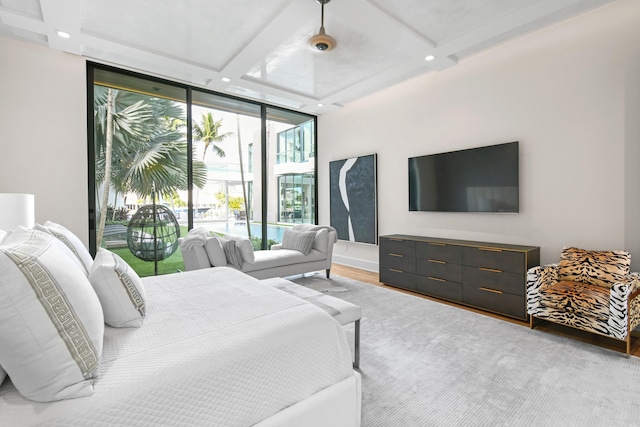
{"x": 43, "y": 131}
{"x": 569, "y": 93}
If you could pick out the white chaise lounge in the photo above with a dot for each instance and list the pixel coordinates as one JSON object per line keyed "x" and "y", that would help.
{"x": 280, "y": 261}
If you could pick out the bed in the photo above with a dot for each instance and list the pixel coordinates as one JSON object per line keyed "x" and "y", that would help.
{"x": 217, "y": 348}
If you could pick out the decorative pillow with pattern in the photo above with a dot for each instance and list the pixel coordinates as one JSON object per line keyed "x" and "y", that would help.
{"x": 602, "y": 268}
{"x": 72, "y": 241}
{"x": 120, "y": 290}
{"x": 51, "y": 321}
{"x": 301, "y": 241}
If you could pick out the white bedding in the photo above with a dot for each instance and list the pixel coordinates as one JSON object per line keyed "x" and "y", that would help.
{"x": 217, "y": 348}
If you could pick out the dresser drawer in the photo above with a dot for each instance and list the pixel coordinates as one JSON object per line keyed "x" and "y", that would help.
{"x": 398, "y": 262}
{"x": 440, "y": 269}
{"x": 440, "y": 288}
{"x": 503, "y": 303}
{"x": 505, "y": 281}
{"x": 397, "y": 247}
{"x": 398, "y": 278}
{"x": 494, "y": 258}
{"x": 439, "y": 252}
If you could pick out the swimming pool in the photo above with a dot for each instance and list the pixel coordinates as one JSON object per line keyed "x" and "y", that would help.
{"x": 274, "y": 232}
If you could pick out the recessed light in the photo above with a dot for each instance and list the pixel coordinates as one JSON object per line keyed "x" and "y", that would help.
{"x": 63, "y": 34}
{"x": 226, "y": 79}
{"x": 320, "y": 104}
{"x": 429, "y": 57}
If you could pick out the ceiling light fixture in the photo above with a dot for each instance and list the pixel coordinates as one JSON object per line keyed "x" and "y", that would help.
{"x": 63, "y": 34}
{"x": 226, "y": 79}
{"x": 322, "y": 42}
{"x": 429, "y": 57}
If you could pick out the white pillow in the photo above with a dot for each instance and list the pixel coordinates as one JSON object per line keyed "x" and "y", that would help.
{"x": 232, "y": 253}
{"x": 70, "y": 240}
{"x": 3, "y": 375}
{"x": 246, "y": 249}
{"x": 51, "y": 321}
{"x": 2, "y": 235}
{"x": 301, "y": 241}
{"x": 215, "y": 252}
{"x": 243, "y": 246}
{"x": 119, "y": 289}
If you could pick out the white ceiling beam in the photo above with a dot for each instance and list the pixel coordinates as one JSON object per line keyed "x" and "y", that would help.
{"x": 63, "y": 15}
{"x": 504, "y": 24}
{"x": 271, "y": 36}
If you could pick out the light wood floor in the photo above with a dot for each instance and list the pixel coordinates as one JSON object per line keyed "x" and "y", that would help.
{"x": 374, "y": 279}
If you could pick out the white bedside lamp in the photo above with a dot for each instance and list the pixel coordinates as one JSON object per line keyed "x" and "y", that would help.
{"x": 16, "y": 209}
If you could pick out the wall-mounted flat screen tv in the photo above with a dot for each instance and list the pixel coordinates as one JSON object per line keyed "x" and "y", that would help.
{"x": 484, "y": 179}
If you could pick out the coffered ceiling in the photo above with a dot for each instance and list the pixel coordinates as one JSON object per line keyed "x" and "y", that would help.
{"x": 261, "y": 48}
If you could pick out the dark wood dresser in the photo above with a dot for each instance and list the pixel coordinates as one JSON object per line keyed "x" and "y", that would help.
{"x": 488, "y": 276}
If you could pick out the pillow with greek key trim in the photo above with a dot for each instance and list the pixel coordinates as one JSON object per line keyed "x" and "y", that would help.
{"x": 51, "y": 321}
{"x": 301, "y": 241}
{"x": 119, "y": 289}
{"x": 72, "y": 241}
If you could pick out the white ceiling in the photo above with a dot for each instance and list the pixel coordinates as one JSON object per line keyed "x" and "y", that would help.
{"x": 262, "y": 46}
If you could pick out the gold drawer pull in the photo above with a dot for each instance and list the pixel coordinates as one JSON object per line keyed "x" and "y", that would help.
{"x": 398, "y": 255}
{"x": 437, "y": 261}
{"x": 491, "y": 270}
{"x": 490, "y": 249}
{"x": 437, "y": 244}
{"x": 397, "y": 240}
{"x": 396, "y": 271}
{"x": 437, "y": 279}
{"x": 491, "y": 290}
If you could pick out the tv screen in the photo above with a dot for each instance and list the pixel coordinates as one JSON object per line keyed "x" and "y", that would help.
{"x": 483, "y": 179}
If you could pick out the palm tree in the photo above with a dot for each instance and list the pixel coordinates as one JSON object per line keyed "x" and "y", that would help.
{"x": 119, "y": 119}
{"x": 244, "y": 189}
{"x": 208, "y": 131}
{"x": 140, "y": 142}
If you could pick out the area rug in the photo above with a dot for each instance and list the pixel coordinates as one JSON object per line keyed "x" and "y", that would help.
{"x": 424, "y": 363}
{"x": 319, "y": 283}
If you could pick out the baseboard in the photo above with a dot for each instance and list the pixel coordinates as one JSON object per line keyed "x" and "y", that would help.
{"x": 356, "y": 263}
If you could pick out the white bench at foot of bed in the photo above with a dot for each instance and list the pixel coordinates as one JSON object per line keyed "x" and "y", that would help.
{"x": 344, "y": 312}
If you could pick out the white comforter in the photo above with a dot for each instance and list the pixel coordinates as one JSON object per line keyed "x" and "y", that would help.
{"x": 217, "y": 348}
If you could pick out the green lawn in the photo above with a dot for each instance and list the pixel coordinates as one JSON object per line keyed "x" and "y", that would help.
{"x": 145, "y": 268}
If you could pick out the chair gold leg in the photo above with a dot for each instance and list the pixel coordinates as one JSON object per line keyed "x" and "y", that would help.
{"x": 530, "y": 321}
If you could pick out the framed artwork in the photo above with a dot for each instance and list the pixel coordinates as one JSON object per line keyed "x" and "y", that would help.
{"x": 353, "y": 198}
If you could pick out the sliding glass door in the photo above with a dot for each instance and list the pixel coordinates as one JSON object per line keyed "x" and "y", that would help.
{"x": 166, "y": 157}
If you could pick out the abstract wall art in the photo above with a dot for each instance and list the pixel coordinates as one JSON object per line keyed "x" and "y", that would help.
{"x": 353, "y": 198}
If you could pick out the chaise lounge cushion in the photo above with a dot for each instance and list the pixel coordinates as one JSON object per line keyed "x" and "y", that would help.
{"x": 281, "y": 257}
{"x": 601, "y": 268}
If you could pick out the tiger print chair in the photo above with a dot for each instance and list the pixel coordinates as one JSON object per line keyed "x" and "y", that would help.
{"x": 589, "y": 290}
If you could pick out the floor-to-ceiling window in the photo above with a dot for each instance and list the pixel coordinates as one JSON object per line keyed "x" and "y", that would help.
{"x": 199, "y": 159}
{"x": 291, "y": 142}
